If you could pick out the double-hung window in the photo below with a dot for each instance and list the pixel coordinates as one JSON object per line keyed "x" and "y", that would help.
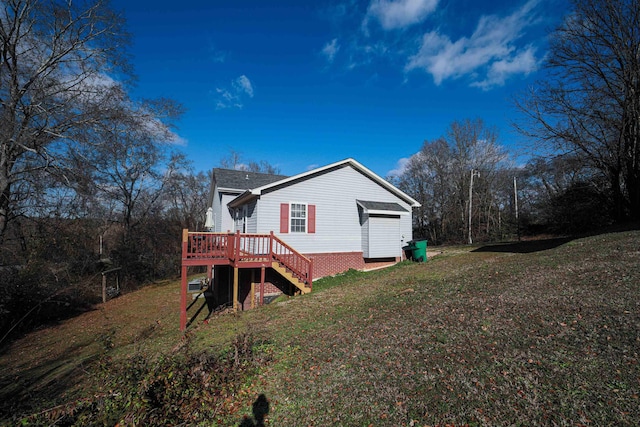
{"x": 298, "y": 217}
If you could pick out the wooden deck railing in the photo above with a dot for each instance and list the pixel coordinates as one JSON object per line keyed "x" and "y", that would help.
{"x": 244, "y": 249}
{"x": 198, "y": 246}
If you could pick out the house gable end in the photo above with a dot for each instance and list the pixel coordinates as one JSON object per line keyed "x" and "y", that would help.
{"x": 277, "y": 185}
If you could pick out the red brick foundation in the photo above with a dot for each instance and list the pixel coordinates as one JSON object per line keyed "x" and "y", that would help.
{"x": 328, "y": 264}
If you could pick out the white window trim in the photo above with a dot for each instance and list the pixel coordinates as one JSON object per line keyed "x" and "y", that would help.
{"x": 306, "y": 217}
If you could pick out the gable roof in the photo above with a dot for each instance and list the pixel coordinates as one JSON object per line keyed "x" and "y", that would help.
{"x": 251, "y": 193}
{"x": 231, "y": 179}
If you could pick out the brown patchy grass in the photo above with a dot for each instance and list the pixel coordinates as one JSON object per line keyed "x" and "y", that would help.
{"x": 537, "y": 333}
{"x": 491, "y": 337}
{"x": 54, "y": 364}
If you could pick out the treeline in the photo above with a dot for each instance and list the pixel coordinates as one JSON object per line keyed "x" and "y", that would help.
{"x": 91, "y": 178}
{"x": 582, "y": 118}
{"x": 471, "y": 190}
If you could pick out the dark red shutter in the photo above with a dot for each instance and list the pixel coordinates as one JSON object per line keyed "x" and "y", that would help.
{"x": 312, "y": 219}
{"x": 284, "y": 217}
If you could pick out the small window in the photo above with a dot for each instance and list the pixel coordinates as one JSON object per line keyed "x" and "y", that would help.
{"x": 298, "y": 218}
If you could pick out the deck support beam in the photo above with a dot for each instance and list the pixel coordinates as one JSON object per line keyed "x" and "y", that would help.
{"x": 183, "y": 282}
{"x": 262, "y": 273}
{"x": 183, "y": 299}
{"x": 253, "y": 295}
{"x": 253, "y": 288}
{"x": 235, "y": 289}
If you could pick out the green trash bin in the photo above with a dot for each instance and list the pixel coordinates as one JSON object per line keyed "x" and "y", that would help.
{"x": 419, "y": 250}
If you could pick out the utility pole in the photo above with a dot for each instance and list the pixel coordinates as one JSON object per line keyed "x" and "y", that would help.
{"x": 473, "y": 173}
{"x": 515, "y": 197}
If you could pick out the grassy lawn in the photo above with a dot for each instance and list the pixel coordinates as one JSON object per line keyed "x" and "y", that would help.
{"x": 535, "y": 333}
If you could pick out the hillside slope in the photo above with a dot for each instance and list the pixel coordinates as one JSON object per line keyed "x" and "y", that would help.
{"x": 535, "y": 333}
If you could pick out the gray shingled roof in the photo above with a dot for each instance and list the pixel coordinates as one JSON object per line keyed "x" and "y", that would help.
{"x": 381, "y": 206}
{"x": 242, "y": 180}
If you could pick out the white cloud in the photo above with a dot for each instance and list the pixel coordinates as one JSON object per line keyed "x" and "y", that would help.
{"x": 234, "y": 96}
{"x": 218, "y": 57}
{"x": 331, "y": 49}
{"x": 401, "y": 167}
{"x": 523, "y": 63}
{"x": 176, "y": 139}
{"x": 243, "y": 85}
{"x": 491, "y": 49}
{"x": 397, "y": 14}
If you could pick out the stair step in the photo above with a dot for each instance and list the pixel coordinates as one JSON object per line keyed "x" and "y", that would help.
{"x": 288, "y": 274}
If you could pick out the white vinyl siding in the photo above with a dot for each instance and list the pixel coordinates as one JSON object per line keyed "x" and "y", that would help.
{"x": 223, "y": 219}
{"x": 364, "y": 228}
{"x": 252, "y": 219}
{"x": 337, "y": 223}
{"x": 246, "y": 218}
{"x": 226, "y": 218}
{"x": 216, "y": 205}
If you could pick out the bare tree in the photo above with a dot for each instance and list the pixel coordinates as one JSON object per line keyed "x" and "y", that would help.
{"x": 475, "y": 153}
{"x": 234, "y": 161}
{"x": 186, "y": 198}
{"x": 565, "y": 194}
{"x": 589, "y": 102}
{"x": 438, "y": 176}
{"x": 124, "y": 160}
{"x": 55, "y": 61}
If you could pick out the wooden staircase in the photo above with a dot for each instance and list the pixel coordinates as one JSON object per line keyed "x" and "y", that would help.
{"x": 287, "y": 274}
{"x": 243, "y": 251}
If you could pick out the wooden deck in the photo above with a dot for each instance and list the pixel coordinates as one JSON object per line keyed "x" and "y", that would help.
{"x": 241, "y": 250}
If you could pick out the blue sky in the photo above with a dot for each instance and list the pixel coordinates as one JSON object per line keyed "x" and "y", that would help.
{"x": 301, "y": 84}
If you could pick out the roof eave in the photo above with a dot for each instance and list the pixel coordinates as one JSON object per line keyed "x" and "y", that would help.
{"x": 387, "y": 212}
{"x": 401, "y": 194}
{"x": 230, "y": 190}
{"x": 243, "y": 198}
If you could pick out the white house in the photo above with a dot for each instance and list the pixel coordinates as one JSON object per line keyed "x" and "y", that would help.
{"x": 280, "y": 233}
{"x": 341, "y": 215}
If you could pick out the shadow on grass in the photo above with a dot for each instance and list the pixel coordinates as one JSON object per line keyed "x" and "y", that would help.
{"x": 45, "y": 382}
{"x": 525, "y": 247}
{"x": 260, "y": 411}
{"x": 209, "y": 302}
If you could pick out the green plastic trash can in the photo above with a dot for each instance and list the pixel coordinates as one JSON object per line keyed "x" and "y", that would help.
{"x": 419, "y": 250}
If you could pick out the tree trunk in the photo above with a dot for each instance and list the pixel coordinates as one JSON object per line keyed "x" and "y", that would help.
{"x": 617, "y": 195}
{"x": 5, "y": 197}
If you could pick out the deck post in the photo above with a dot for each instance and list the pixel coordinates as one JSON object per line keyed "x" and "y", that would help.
{"x": 235, "y": 288}
{"x": 271, "y": 246}
{"x": 183, "y": 282}
{"x": 104, "y": 288}
{"x": 253, "y": 295}
{"x": 237, "y": 253}
{"x": 183, "y": 300}
{"x": 253, "y": 288}
{"x": 262, "y": 270}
